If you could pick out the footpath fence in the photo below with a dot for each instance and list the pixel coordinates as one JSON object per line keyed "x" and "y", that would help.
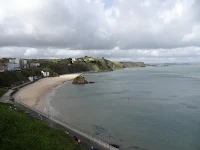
{"x": 70, "y": 127}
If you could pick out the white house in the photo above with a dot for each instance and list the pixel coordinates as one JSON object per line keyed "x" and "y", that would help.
{"x": 73, "y": 60}
{"x": 91, "y": 59}
{"x": 30, "y": 79}
{"x": 45, "y": 74}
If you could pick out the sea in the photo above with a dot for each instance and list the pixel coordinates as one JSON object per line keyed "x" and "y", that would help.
{"x": 151, "y": 108}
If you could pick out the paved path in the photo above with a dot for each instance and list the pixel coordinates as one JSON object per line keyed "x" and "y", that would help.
{"x": 6, "y": 97}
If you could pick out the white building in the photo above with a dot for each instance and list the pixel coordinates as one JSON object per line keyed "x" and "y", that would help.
{"x": 23, "y": 63}
{"x": 31, "y": 79}
{"x": 14, "y": 61}
{"x": 17, "y": 64}
{"x": 14, "y": 64}
{"x": 45, "y": 74}
{"x": 12, "y": 67}
{"x": 91, "y": 59}
{"x": 34, "y": 65}
{"x": 73, "y": 60}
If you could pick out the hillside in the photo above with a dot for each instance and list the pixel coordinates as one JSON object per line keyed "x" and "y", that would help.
{"x": 83, "y": 64}
{"x": 14, "y": 78}
{"x": 21, "y": 131}
{"x": 132, "y": 64}
{"x": 61, "y": 66}
{"x": 93, "y": 64}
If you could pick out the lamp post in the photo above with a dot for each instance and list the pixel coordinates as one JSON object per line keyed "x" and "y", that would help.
{"x": 109, "y": 139}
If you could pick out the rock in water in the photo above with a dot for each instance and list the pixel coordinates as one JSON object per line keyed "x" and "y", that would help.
{"x": 79, "y": 80}
{"x": 91, "y": 82}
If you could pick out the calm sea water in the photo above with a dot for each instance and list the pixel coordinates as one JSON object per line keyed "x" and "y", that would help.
{"x": 154, "y": 108}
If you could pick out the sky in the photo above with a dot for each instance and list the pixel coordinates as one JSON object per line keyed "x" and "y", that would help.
{"x": 121, "y": 30}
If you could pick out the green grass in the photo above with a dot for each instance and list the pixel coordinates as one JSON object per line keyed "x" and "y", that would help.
{"x": 21, "y": 132}
{"x": 117, "y": 65}
{"x": 2, "y": 91}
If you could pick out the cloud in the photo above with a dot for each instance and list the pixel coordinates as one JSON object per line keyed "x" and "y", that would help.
{"x": 41, "y": 28}
{"x": 31, "y": 52}
{"x": 187, "y": 54}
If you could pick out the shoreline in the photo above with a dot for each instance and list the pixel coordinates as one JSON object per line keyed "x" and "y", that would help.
{"x": 46, "y": 98}
{"x": 34, "y": 94}
{"x": 23, "y": 101}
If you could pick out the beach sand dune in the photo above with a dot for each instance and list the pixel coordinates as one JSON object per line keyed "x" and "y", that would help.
{"x": 32, "y": 93}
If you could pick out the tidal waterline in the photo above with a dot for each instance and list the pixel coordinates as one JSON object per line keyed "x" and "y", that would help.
{"x": 155, "y": 108}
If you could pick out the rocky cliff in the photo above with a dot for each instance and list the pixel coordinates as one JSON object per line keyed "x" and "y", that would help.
{"x": 79, "y": 80}
{"x": 132, "y": 64}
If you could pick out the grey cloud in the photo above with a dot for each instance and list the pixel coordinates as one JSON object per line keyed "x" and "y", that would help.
{"x": 124, "y": 30}
{"x": 84, "y": 24}
{"x": 191, "y": 54}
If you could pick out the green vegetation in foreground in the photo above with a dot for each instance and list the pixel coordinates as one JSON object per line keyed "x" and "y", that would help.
{"x": 21, "y": 132}
{"x": 2, "y": 91}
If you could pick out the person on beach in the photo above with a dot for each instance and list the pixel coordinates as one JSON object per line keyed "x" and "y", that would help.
{"x": 79, "y": 141}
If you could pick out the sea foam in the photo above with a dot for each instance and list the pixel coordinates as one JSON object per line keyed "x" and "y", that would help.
{"x": 48, "y": 108}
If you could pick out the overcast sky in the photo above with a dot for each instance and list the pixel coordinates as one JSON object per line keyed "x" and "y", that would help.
{"x": 129, "y": 30}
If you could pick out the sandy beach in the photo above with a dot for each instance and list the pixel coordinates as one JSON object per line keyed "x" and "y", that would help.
{"x": 33, "y": 94}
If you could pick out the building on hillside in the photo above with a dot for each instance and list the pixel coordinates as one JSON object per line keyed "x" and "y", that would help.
{"x": 80, "y": 59}
{"x": 31, "y": 78}
{"x": 24, "y": 64}
{"x": 14, "y": 60}
{"x": 91, "y": 59}
{"x": 34, "y": 65}
{"x": 17, "y": 64}
{"x": 14, "y": 64}
{"x": 45, "y": 74}
{"x": 3, "y": 67}
{"x": 73, "y": 60}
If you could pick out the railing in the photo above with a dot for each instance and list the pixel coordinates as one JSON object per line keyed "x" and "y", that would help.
{"x": 69, "y": 126}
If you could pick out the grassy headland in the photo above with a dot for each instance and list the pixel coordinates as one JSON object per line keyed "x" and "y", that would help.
{"x": 64, "y": 66}
{"x": 20, "y": 131}
{"x": 87, "y": 63}
{"x": 132, "y": 64}
{"x": 61, "y": 66}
